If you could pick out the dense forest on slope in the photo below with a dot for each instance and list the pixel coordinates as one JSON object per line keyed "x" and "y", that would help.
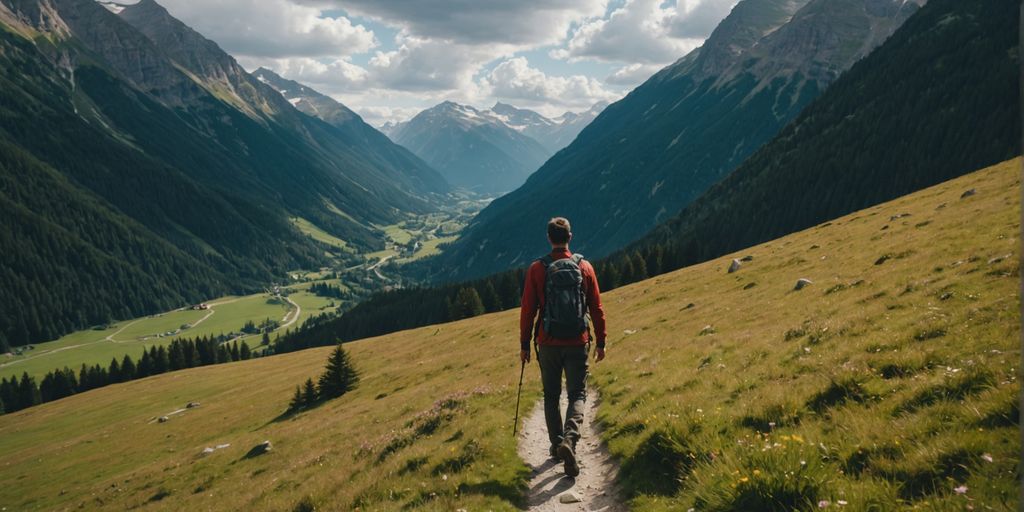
{"x": 937, "y": 100}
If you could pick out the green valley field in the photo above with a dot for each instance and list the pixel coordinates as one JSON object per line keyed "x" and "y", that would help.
{"x": 226, "y": 315}
{"x": 890, "y": 383}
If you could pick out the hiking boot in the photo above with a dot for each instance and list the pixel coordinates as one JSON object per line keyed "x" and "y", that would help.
{"x": 568, "y": 456}
{"x": 553, "y": 451}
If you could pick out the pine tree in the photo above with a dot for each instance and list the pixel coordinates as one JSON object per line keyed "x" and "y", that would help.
{"x": 114, "y": 370}
{"x": 489, "y": 296}
{"x": 223, "y": 354}
{"x": 245, "y": 352}
{"x": 309, "y": 395}
{"x": 145, "y": 367}
{"x": 266, "y": 339}
{"x": 467, "y": 304}
{"x": 161, "y": 362}
{"x": 128, "y": 369}
{"x": 339, "y": 376}
{"x": 235, "y": 355}
{"x": 298, "y": 402}
{"x": 28, "y": 392}
{"x": 176, "y": 356}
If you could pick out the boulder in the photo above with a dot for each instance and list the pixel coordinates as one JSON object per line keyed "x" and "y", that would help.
{"x": 803, "y": 283}
{"x": 707, "y": 330}
{"x": 735, "y": 266}
{"x": 192, "y": 405}
{"x": 163, "y": 419}
{"x": 260, "y": 449}
{"x": 569, "y": 497}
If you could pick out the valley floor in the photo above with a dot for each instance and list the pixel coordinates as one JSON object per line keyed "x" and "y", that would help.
{"x": 890, "y": 383}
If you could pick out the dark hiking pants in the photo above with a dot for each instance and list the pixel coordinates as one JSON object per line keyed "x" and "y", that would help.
{"x": 572, "y": 360}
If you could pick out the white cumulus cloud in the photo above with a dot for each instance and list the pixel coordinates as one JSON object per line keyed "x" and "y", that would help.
{"x": 514, "y": 80}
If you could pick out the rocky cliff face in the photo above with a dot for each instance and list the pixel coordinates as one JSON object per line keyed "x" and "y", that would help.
{"x": 308, "y": 100}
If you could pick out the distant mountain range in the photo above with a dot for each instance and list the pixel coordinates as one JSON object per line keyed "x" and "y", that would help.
{"x": 655, "y": 151}
{"x": 487, "y": 151}
{"x": 143, "y": 168}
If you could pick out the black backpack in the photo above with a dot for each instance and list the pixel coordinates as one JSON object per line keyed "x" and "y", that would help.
{"x": 565, "y": 301}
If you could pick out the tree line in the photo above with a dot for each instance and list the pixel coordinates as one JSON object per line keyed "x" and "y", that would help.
{"x": 17, "y": 394}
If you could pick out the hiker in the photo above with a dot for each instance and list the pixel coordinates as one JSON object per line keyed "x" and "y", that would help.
{"x": 563, "y": 287}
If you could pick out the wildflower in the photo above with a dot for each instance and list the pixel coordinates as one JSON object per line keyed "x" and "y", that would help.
{"x": 986, "y": 457}
{"x": 744, "y": 480}
{"x": 797, "y": 438}
{"x": 757, "y": 472}
{"x": 960, "y": 490}
{"x": 444, "y": 478}
{"x": 823, "y": 504}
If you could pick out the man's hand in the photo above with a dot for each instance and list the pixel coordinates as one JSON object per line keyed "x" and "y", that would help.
{"x": 524, "y": 356}
{"x": 599, "y": 356}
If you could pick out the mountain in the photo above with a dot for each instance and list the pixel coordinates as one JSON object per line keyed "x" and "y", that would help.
{"x": 307, "y": 100}
{"x": 859, "y": 389}
{"x": 650, "y": 154}
{"x": 554, "y": 134}
{"x": 146, "y": 170}
{"x": 938, "y": 99}
{"x": 471, "y": 148}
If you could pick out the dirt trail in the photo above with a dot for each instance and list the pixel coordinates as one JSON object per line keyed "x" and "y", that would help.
{"x": 595, "y": 485}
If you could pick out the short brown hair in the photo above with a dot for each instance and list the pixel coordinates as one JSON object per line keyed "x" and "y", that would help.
{"x": 559, "y": 230}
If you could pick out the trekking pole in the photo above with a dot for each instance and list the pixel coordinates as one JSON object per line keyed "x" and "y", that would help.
{"x": 515, "y": 426}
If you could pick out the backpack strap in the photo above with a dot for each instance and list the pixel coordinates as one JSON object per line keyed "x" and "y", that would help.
{"x": 547, "y": 260}
{"x": 577, "y": 258}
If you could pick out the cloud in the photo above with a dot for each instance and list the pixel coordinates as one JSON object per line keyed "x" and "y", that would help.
{"x": 633, "y": 74}
{"x": 645, "y": 32}
{"x": 272, "y": 28}
{"x": 520, "y": 22}
{"x": 431, "y": 65}
{"x": 514, "y": 80}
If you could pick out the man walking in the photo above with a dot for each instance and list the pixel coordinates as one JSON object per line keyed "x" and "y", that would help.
{"x": 563, "y": 287}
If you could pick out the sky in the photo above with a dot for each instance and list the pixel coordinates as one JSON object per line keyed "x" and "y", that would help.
{"x": 390, "y": 59}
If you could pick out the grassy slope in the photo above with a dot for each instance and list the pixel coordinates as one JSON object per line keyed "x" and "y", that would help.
{"x": 668, "y": 391}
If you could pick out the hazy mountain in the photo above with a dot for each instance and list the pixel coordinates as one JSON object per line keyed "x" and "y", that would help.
{"x": 471, "y": 148}
{"x": 134, "y": 123}
{"x": 554, "y": 134}
{"x": 650, "y": 154}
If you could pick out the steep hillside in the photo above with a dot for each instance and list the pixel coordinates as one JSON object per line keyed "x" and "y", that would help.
{"x": 650, "y": 154}
{"x": 471, "y": 148}
{"x": 890, "y": 383}
{"x": 939, "y": 99}
{"x": 198, "y": 153}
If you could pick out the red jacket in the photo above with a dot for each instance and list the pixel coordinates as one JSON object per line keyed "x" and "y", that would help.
{"x": 533, "y": 301}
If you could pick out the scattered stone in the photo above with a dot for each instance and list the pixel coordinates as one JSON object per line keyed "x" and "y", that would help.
{"x": 208, "y": 450}
{"x": 803, "y": 283}
{"x": 735, "y": 266}
{"x": 192, "y": 405}
{"x": 749, "y": 286}
{"x": 941, "y": 206}
{"x": 998, "y": 259}
{"x": 746, "y": 259}
{"x": 222, "y": 446}
{"x": 260, "y": 449}
{"x": 969, "y": 193}
{"x": 707, "y": 330}
{"x": 885, "y": 227}
{"x": 569, "y": 497}
{"x": 690, "y": 306}
{"x": 899, "y": 216}
{"x": 163, "y": 419}
{"x": 629, "y": 332}
{"x": 815, "y": 246}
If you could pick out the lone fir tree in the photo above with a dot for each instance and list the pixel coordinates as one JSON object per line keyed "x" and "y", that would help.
{"x": 309, "y": 395}
{"x": 297, "y": 400}
{"x": 339, "y": 377}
